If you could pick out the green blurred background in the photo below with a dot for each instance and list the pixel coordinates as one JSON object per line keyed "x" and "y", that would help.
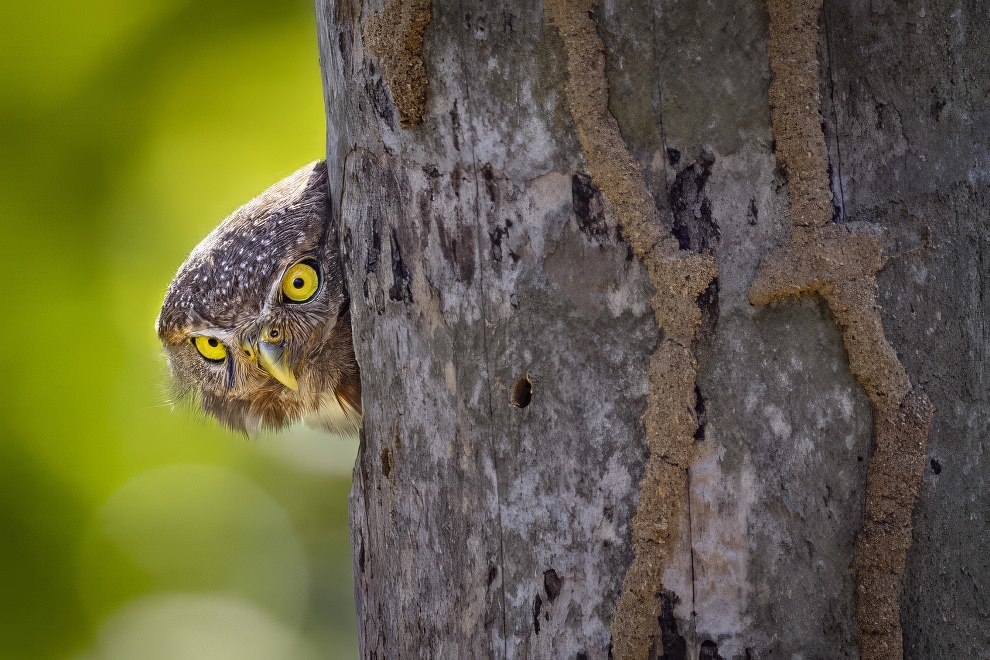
{"x": 129, "y": 530}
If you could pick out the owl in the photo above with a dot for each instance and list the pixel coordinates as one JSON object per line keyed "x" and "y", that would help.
{"x": 256, "y": 323}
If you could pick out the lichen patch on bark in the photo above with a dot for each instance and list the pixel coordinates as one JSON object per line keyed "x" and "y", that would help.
{"x": 395, "y": 36}
{"x": 840, "y": 265}
{"x": 679, "y": 278}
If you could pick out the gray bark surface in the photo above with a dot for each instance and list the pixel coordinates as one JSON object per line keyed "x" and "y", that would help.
{"x": 479, "y": 252}
{"x": 908, "y": 95}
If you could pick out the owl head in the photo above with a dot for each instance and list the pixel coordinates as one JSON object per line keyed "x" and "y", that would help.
{"x": 255, "y": 323}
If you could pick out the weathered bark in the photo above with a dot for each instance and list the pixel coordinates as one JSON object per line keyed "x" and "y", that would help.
{"x": 577, "y": 441}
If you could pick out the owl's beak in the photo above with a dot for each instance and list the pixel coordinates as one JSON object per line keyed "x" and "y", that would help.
{"x": 274, "y": 359}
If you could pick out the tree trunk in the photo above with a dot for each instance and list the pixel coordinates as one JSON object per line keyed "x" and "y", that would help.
{"x": 656, "y": 306}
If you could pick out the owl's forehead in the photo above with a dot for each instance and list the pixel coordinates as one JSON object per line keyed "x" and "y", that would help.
{"x": 229, "y": 277}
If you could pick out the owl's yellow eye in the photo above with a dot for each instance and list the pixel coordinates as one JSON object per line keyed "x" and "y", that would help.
{"x": 211, "y": 348}
{"x": 300, "y": 282}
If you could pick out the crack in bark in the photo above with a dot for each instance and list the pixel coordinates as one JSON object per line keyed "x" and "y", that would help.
{"x": 472, "y": 141}
{"x": 840, "y": 265}
{"x": 678, "y": 278}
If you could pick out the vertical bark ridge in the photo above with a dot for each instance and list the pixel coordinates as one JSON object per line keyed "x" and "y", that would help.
{"x": 678, "y": 279}
{"x": 486, "y": 348}
{"x": 489, "y": 371}
{"x": 840, "y": 265}
{"x": 839, "y": 185}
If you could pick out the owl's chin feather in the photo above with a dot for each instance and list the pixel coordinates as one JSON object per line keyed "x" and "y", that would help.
{"x": 334, "y": 416}
{"x": 336, "y": 411}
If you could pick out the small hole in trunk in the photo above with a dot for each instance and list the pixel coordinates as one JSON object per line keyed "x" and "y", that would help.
{"x": 522, "y": 393}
